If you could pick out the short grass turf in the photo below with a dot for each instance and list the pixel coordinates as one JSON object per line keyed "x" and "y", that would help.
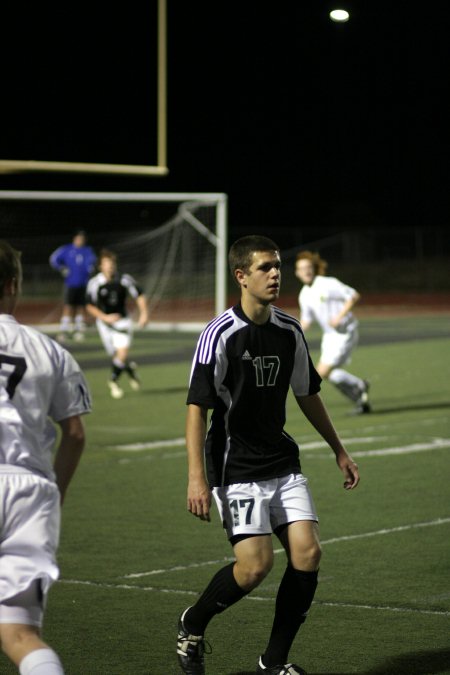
{"x": 132, "y": 558}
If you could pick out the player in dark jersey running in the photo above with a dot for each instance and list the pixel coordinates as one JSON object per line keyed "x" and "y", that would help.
{"x": 245, "y": 362}
{"x": 107, "y": 295}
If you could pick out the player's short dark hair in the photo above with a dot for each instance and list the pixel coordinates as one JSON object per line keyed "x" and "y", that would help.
{"x": 10, "y": 267}
{"x": 241, "y": 252}
{"x": 107, "y": 253}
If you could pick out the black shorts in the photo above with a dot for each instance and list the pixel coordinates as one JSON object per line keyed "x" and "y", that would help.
{"x": 76, "y": 296}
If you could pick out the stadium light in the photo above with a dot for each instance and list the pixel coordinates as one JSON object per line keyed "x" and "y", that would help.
{"x": 339, "y": 15}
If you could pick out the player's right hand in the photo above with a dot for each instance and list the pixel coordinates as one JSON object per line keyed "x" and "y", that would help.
{"x": 199, "y": 500}
{"x": 111, "y": 318}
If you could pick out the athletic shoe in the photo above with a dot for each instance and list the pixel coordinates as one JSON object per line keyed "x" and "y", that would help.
{"x": 115, "y": 390}
{"x": 190, "y": 650}
{"x": 135, "y": 382}
{"x": 363, "y": 406}
{"x": 287, "y": 669}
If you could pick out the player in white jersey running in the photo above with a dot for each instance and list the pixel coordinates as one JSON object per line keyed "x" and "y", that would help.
{"x": 40, "y": 384}
{"x": 107, "y": 295}
{"x": 329, "y": 302}
{"x": 246, "y": 361}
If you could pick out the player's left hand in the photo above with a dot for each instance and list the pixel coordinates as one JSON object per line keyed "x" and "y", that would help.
{"x": 335, "y": 322}
{"x": 350, "y": 470}
{"x": 143, "y": 320}
{"x": 111, "y": 318}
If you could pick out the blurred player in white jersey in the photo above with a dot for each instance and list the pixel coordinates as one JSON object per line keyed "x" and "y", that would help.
{"x": 107, "y": 295}
{"x": 329, "y": 302}
{"x": 40, "y": 383}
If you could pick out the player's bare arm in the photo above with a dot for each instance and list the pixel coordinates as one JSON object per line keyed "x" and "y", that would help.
{"x": 141, "y": 302}
{"x": 304, "y": 324}
{"x": 69, "y": 451}
{"x": 199, "y": 493}
{"x": 346, "y": 308}
{"x": 316, "y": 413}
{"x": 98, "y": 314}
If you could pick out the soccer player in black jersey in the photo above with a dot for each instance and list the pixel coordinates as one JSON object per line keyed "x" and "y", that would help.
{"x": 245, "y": 362}
{"x": 107, "y": 295}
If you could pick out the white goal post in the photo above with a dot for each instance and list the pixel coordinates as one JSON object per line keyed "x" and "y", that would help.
{"x": 174, "y": 243}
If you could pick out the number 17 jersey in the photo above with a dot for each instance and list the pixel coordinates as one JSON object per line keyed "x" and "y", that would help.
{"x": 243, "y": 371}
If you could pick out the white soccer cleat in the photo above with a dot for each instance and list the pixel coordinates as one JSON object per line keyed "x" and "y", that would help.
{"x": 115, "y": 390}
{"x": 190, "y": 650}
{"x": 287, "y": 669}
{"x": 363, "y": 405}
{"x": 135, "y": 384}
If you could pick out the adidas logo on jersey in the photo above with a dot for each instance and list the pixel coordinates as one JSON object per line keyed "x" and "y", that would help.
{"x": 246, "y": 356}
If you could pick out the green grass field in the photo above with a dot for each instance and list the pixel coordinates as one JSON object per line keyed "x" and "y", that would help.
{"x": 132, "y": 558}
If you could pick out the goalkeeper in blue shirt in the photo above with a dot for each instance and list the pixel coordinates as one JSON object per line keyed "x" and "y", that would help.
{"x": 76, "y": 262}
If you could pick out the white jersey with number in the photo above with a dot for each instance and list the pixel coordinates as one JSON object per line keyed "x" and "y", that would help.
{"x": 39, "y": 382}
{"x": 323, "y": 300}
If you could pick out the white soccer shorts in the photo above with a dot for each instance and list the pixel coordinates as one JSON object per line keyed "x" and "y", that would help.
{"x": 116, "y": 336}
{"x": 336, "y": 348}
{"x": 29, "y": 525}
{"x": 26, "y": 607}
{"x": 261, "y": 507}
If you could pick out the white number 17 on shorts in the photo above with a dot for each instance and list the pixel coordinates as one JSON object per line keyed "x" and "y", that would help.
{"x": 261, "y": 507}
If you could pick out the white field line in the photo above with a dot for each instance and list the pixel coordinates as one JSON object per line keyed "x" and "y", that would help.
{"x": 386, "y": 608}
{"x": 434, "y": 444}
{"x": 417, "y": 447}
{"x": 256, "y": 598}
{"x": 380, "y": 428}
{"x": 334, "y": 540}
{"x": 437, "y": 443}
{"x": 406, "y": 449}
{"x": 155, "y": 445}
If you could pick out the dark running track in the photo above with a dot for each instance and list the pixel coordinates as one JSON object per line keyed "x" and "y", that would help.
{"x": 375, "y": 333}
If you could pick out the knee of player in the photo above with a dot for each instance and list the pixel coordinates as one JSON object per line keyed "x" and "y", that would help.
{"x": 307, "y": 558}
{"x": 251, "y": 574}
{"x": 315, "y": 554}
{"x": 257, "y": 574}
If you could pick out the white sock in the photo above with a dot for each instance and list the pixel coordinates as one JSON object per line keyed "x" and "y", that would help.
{"x": 41, "y": 662}
{"x": 65, "y": 324}
{"x": 350, "y": 385}
{"x": 79, "y": 323}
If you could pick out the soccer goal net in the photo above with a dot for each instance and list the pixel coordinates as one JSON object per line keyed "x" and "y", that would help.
{"x": 174, "y": 244}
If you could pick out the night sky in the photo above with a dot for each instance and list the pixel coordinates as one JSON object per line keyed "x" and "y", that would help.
{"x": 303, "y": 122}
